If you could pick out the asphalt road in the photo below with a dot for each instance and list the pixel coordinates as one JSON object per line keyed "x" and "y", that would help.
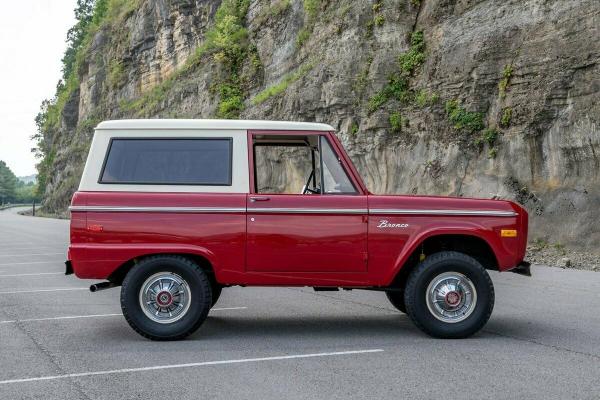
{"x": 59, "y": 341}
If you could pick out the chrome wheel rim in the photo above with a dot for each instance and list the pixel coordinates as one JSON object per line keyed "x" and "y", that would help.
{"x": 451, "y": 297}
{"x": 165, "y": 297}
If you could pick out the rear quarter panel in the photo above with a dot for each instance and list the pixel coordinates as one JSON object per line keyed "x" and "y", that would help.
{"x": 103, "y": 241}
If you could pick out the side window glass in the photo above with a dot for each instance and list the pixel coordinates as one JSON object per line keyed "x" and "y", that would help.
{"x": 166, "y": 161}
{"x": 335, "y": 178}
{"x": 287, "y": 165}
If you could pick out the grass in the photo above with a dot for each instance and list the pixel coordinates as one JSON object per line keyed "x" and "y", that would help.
{"x": 423, "y": 98}
{"x": 362, "y": 78}
{"x": 379, "y": 20}
{"x": 281, "y": 87}
{"x": 227, "y": 43}
{"x": 506, "y": 117}
{"x": 273, "y": 11}
{"x": 396, "y": 121}
{"x": 311, "y": 8}
{"x": 116, "y": 74}
{"x": 303, "y": 36}
{"x": 354, "y": 128}
{"x": 505, "y": 81}
{"x": 398, "y": 83}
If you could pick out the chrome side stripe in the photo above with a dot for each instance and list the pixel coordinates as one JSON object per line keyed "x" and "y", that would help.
{"x": 308, "y": 210}
{"x": 290, "y": 210}
{"x": 159, "y": 209}
{"x": 481, "y": 213}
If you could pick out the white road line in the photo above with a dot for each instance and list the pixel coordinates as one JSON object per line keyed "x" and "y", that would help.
{"x": 190, "y": 365}
{"x": 44, "y": 290}
{"x": 59, "y": 318}
{"x": 32, "y": 254}
{"x": 36, "y": 262}
{"x": 96, "y": 316}
{"x": 39, "y": 273}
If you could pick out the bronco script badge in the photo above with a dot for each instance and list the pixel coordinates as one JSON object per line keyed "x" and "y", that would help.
{"x": 385, "y": 224}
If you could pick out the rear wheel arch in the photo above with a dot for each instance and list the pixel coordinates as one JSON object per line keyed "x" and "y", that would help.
{"x": 119, "y": 274}
{"x": 468, "y": 244}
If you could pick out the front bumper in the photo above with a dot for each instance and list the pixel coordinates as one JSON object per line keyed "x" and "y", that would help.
{"x": 523, "y": 268}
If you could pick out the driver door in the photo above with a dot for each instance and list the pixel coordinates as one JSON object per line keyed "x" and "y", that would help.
{"x": 304, "y": 213}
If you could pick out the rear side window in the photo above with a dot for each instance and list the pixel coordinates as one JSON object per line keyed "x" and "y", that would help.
{"x": 198, "y": 161}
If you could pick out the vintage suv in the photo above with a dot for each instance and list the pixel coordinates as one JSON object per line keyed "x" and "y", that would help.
{"x": 175, "y": 210}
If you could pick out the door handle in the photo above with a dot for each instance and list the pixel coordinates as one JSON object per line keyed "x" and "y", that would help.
{"x": 260, "y": 198}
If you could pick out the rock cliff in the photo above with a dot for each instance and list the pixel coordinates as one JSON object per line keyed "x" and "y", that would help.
{"x": 484, "y": 98}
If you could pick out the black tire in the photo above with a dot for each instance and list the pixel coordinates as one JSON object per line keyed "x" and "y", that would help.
{"x": 415, "y": 295}
{"x": 199, "y": 306}
{"x": 216, "y": 293}
{"x": 397, "y": 300}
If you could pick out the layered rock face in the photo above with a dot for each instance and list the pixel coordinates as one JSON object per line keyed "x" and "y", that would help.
{"x": 496, "y": 98}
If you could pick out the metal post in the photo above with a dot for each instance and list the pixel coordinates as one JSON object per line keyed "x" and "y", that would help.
{"x": 33, "y": 208}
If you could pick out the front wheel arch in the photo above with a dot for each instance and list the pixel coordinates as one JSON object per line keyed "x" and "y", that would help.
{"x": 467, "y": 244}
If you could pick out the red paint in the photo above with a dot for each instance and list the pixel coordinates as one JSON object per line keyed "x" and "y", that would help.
{"x": 254, "y": 248}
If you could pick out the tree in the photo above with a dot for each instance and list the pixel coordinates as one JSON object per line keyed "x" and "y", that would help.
{"x": 8, "y": 184}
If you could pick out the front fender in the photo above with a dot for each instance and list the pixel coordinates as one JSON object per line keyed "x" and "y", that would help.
{"x": 471, "y": 229}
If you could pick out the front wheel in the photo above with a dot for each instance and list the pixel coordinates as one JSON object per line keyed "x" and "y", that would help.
{"x": 449, "y": 295}
{"x": 166, "y": 297}
{"x": 397, "y": 300}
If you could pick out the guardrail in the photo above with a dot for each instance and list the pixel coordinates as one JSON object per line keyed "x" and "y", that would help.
{"x": 7, "y": 206}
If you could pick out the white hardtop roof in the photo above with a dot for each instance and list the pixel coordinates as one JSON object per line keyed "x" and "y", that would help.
{"x": 147, "y": 124}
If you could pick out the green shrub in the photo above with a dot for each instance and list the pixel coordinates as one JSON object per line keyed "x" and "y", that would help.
{"x": 415, "y": 56}
{"x": 396, "y": 88}
{"x": 354, "y": 128}
{"x": 462, "y": 119}
{"x": 489, "y": 136}
{"x": 379, "y": 20}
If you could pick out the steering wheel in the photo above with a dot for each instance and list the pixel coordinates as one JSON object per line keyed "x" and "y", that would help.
{"x": 306, "y": 189}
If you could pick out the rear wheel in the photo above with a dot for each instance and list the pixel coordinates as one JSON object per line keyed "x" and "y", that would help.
{"x": 449, "y": 295}
{"x": 216, "y": 293}
{"x": 166, "y": 297}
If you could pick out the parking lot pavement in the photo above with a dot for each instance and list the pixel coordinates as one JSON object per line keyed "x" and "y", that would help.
{"x": 59, "y": 341}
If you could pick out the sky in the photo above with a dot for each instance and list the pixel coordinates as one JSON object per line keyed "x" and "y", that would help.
{"x": 32, "y": 43}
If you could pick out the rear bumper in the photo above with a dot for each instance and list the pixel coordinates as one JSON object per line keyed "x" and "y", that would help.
{"x": 68, "y": 268}
{"x": 523, "y": 268}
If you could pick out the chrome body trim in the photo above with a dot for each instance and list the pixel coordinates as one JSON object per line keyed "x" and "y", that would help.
{"x": 292, "y": 210}
{"x": 481, "y": 213}
{"x": 159, "y": 209}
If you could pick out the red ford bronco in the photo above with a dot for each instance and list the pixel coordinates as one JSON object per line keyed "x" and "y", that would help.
{"x": 173, "y": 211}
